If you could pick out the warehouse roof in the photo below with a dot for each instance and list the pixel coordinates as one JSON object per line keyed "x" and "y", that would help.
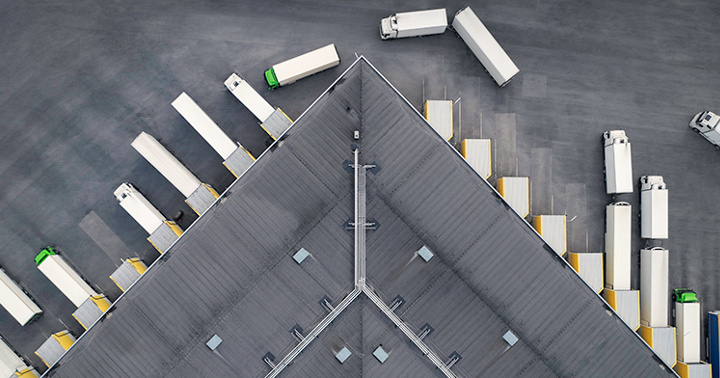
{"x": 232, "y": 274}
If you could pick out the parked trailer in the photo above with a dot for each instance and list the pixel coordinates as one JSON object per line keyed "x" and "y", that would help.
{"x": 590, "y": 267}
{"x": 714, "y": 342}
{"x": 65, "y": 278}
{"x": 693, "y": 370}
{"x": 128, "y": 272}
{"x": 198, "y": 196}
{"x": 162, "y": 231}
{"x": 706, "y": 124}
{"x": 516, "y": 193}
{"x": 687, "y": 323}
{"x": 11, "y": 365}
{"x": 618, "y": 162}
{"x": 653, "y": 208}
{"x": 273, "y": 120}
{"x": 235, "y": 161}
{"x": 618, "y": 220}
{"x": 477, "y": 153}
{"x": 16, "y": 302}
{"x": 627, "y": 304}
{"x": 439, "y": 114}
{"x": 414, "y": 24}
{"x": 662, "y": 340}
{"x": 204, "y": 125}
{"x": 654, "y": 305}
{"x": 553, "y": 229}
{"x": 302, "y": 66}
{"x": 54, "y": 347}
{"x": 478, "y": 38}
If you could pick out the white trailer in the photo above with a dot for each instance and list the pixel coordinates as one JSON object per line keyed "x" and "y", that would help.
{"x": 589, "y": 266}
{"x": 439, "y": 114}
{"x": 654, "y": 305}
{"x": 618, "y": 226}
{"x": 16, "y": 302}
{"x": 302, "y": 66}
{"x": 627, "y": 304}
{"x": 618, "y": 162}
{"x": 653, "y": 208}
{"x": 162, "y": 231}
{"x": 706, "y": 124}
{"x": 414, "y": 24}
{"x": 11, "y": 365}
{"x": 687, "y": 324}
{"x": 65, "y": 278}
{"x": 273, "y": 120}
{"x": 204, "y": 125}
{"x": 478, "y": 155}
{"x": 553, "y": 229}
{"x": 478, "y": 38}
{"x": 199, "y": 196}
{"x": 235, "y": 161}
{"x": 516, "y": 192}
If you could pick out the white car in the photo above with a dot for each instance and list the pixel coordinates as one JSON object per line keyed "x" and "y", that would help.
{"x": 706, "y": 123}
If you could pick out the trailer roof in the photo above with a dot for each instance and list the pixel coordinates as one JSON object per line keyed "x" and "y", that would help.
{"x": 232, "y": 274}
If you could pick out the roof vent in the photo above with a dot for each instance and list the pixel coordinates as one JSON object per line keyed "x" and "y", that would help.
{"x": 510, "y": 338}
{"x": 425, "y": 253}
{"x": 301, "y": 255}
{"x": 214, "y": 342}
{"x": 381, "y": 354}
{"x": 343, "y": 354}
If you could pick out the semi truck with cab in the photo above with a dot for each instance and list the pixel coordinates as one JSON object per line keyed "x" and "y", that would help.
{"x": 65, "y": 278}
{"x": 618, "y": 162}
{"x": 653, "y": 208}
{"x": 413, "y": 24}
{"x": 706, "y": 124}
{"x": 302, "y": 66}
{"x": 478, "y": 38}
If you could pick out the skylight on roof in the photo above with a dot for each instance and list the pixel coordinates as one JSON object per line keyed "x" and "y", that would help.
{"x": 381, "y": 354}
{"x": 425, "y": 253}
{"x": 343, "y": 354}
{"x": 510, "y": 338}
{"x": 214, "y": 342}
{"x": 301, "y": 255}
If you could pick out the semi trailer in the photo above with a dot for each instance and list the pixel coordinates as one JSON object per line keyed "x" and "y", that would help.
{"x": 478, "y": 38}
{"x": 653, "y": 208}
{"x": 65, "y": 278}
{"x": 11, "y": 365}
{"x": 618, "y": 227}
{"x": 199, "y": 196}
{"x": 618, "y": 162}
{"x": 273, "y": 120}
{"x": 413, "y": 24}
{"x": 654, "y": 305}
{"x": 16, "y": 302}
{"x": 163, "y": 232}
{"x": 302, "y": 66}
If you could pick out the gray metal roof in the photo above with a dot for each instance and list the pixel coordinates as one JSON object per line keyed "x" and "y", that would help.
{"x": 232, "y": 273}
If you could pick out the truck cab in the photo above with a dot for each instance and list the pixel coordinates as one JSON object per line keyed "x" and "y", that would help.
{"x": 706, "y": 124}
{"x": 388, "y": 27}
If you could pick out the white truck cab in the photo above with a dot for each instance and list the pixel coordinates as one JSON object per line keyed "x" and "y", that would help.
{"x": 414, "y": 24}
{"x": 706, "y": 124}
